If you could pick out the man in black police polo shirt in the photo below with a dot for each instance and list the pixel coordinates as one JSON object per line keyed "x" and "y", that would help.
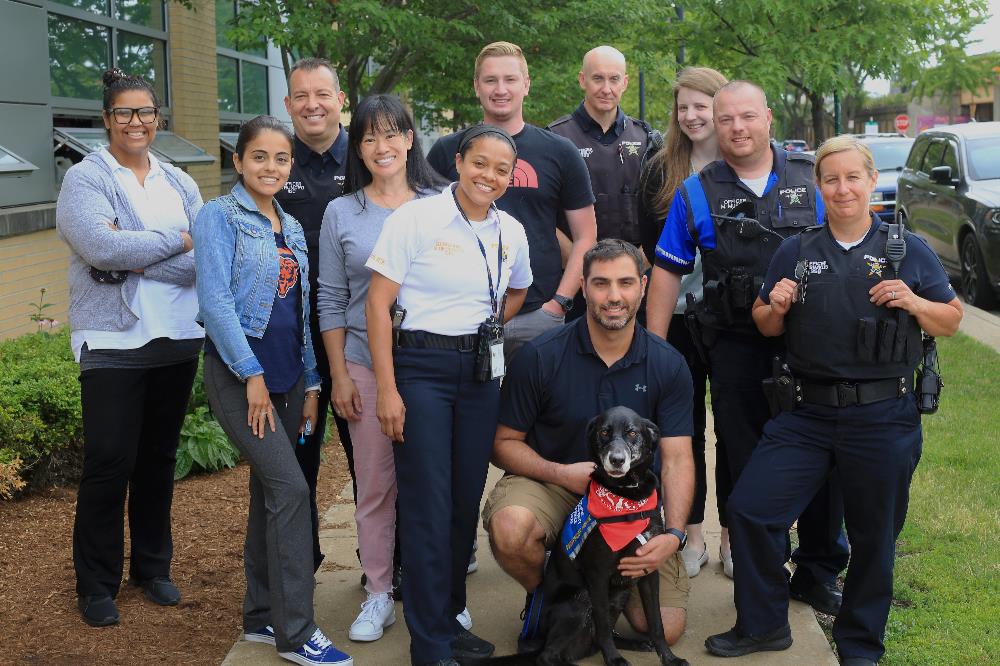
{"x": 555, "y": 385}
{"x": 614, "y": 147}
{"x": 314, "y": 101}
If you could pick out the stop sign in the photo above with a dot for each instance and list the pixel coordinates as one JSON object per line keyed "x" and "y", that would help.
{"x": 902, "y": 122}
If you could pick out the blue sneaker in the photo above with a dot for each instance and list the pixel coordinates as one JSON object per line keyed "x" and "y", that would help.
{"x": 318, "y": 651}
{"x": 265, "y": 635}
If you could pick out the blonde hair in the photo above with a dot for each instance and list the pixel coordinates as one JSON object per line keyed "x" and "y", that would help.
{"x": 673, "y": 163}
{"x": 499, "y": 50}
{"x": 843, "y": 143}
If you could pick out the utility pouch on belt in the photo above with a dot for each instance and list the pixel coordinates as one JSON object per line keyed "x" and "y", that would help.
{"x": 694, "y": 327}
{"x": 929, "y": 381}
{"x": 781, "y": 389}
{"x": 741, "y": 293}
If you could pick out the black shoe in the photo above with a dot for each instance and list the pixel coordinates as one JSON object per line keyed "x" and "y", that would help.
{"x": 442, "y": 662}
{"x": 160, "y": 590}
{"x": 734, "y": 644}
{"x": 823, "y": 597}
{"x": 98, "y": 611}
{"x": 858, "y": 661}
{"x": 467, "y": 645}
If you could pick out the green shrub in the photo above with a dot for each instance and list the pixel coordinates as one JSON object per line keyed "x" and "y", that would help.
{"x": 41, "y": 425}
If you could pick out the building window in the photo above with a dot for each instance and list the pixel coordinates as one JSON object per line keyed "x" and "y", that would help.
{"x": 87, "y": 37}
{"x": 242, "y": 68}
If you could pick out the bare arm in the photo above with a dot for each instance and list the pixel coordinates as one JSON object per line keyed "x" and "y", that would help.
{"x": 583, "y": 228}
{"x": 565, "y": 247}
{"x": 664, "y": 289}
{"x": 935, "y": 318}
{"x": 389, "y": 405}
{"x": 770, "y": 317}
{"x": 515, "y": 299}
{"x": 512, "y": 454}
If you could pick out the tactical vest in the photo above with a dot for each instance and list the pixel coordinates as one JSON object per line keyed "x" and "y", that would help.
{"x": 835, "y": 332}
{"x": 734, "y": 271}
{"x": 614, "y": 174}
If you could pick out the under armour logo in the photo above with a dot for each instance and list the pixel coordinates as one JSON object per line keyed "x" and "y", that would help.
{"x": 640, "y": 387}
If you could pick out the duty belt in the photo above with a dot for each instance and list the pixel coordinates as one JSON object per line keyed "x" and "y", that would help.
{"x": 425, "y": 340}
{"x": 845, "y": 394}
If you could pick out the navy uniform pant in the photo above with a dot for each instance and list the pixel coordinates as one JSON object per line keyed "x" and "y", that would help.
{"x": 440, "y": 474}
{"x": 738, "y": 365}
{"x": 872, "y": 450}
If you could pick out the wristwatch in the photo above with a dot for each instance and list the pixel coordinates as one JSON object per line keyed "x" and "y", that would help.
{"x": 681, "y": 536}
{"x": 565, "y": 303}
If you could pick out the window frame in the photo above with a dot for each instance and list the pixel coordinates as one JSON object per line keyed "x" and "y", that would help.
{"x": 240, "y": 57}
{"x": 75, "y": 105}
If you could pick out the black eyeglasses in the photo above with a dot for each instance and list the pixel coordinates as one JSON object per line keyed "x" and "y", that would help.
{"x": 123, "y": 115}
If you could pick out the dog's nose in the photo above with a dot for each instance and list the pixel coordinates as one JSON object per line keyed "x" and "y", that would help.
{"x": 617, "y": 458}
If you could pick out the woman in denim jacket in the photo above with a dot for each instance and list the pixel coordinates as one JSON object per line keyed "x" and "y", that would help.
{"x": 262, "y": 383}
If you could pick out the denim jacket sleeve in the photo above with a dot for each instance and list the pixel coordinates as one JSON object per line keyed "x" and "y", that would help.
{"x": 215, "y": 238}
{"x": 82, "y": 213}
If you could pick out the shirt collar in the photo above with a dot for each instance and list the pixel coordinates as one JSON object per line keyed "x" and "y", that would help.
{"x": 337, "y": 152}
{"x": 448, "y": 193}
{"x": 636, "y": 349}
{"x": 154, "y": 164}
{"x": 588, "y": 124}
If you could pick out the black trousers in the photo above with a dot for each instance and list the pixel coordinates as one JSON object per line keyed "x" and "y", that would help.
{"x": 308, "y": 454}
{"x": 131, "y": 427}
{"x": 440, "y": 472}
{"x": 680, "y": 338}
{"x": 738, "y": 366}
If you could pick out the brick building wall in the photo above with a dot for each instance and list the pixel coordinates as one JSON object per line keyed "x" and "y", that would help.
{"x": 29, "y": 263}
{"x": 194, "y": 87}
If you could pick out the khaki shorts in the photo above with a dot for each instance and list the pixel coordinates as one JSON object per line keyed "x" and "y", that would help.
{"x": 550, "y": 505}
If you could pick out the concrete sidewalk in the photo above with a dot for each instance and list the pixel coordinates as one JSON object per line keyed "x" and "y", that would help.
{"x": 495, "y": 602}
{"x": 983, "y": 325}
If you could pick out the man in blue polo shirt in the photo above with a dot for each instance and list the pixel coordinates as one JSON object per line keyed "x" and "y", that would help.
{"x": 765, "y": 195}
{"x": 555, "y": 385}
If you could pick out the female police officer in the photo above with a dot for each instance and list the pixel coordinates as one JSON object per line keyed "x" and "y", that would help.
{"x": 852, "y": 297}
{"x": 447, "y": 261}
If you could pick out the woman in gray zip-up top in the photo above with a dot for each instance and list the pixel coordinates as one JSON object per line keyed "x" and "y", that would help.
{"x": 126, "y": 217}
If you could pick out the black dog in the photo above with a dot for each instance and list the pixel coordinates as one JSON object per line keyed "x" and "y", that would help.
{"x": 584, "y": 595}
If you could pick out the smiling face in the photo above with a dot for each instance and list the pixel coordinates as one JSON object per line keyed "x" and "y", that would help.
{"x": 383, "y": 150}
{"x": 846, "y": 186}
{"x": 742, "y": 124}
{"x": 135, "y": 137}
{"x": 314, "y": 103}
{"x": 483, "y": 174}
{"x": 614, "y": 290}
{"x": 501, "y": 86}
{"x": 603, "y": 80}
{"x": 694, "y": 115}
{"x": 266, "y": 163}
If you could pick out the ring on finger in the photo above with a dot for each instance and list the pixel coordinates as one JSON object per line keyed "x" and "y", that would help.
{"x": 893, "y": 296}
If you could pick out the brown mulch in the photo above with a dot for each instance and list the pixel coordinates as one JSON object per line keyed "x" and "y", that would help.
{"x": 39, "y": 621}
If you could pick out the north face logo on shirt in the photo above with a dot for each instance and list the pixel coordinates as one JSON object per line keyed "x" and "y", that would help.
{"x": 524, "y": 175}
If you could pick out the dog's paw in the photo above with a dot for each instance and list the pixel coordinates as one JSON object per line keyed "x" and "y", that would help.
{"x": 618, "y": 661}
{"x": 676, "y": 661}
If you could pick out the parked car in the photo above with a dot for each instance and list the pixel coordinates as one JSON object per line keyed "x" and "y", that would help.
{"x": 795, "y": 145}
{"x": 889, "y": 151}
{"x": 949, "y": 193}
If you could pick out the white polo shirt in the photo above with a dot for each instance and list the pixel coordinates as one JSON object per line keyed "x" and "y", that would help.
{"x": 428, "y": 248}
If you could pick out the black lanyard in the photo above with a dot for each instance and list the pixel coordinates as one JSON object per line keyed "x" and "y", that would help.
{"x": 482, "y": 249}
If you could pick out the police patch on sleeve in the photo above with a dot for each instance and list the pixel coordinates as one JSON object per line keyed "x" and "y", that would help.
{"x": 794, "y": 197}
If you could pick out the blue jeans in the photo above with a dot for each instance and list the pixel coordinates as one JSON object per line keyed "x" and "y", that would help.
{"x": 440, "y": 473}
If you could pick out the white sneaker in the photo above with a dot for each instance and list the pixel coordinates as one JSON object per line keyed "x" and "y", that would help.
{"x": 377, "y": 612}
{"x": 727, "y": 561}
{"x": 693, "y": 561}
{"x": 465, "y": 619}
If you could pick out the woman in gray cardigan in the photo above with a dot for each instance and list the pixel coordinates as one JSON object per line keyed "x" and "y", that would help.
{"x": 126, "y": 217}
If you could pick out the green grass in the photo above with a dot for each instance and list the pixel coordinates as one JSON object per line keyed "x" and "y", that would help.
{"x": 947, "y": 583}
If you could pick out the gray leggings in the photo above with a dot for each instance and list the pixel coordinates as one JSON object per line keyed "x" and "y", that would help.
{"x": 277, "y": 555}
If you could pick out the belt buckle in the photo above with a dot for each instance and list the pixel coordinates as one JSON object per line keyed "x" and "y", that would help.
{"x": 847, "y": 394}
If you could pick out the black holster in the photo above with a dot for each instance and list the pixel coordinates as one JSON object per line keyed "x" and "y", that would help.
{"x": 929, "y": 382}
{"x": 781, "y": 389}
{"x": 695, "y": 328}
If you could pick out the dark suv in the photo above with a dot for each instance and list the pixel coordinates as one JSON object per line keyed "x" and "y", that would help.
{"x": 889, "y": 151}
{"x": 949, "y": 193}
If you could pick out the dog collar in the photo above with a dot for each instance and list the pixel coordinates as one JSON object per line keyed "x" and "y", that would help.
{"x": 620, "y": 519}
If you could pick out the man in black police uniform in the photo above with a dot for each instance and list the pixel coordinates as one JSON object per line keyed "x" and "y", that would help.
{"x": 314, "y": 101}
{"x": 613, "y": 145}
{"x": 777, "y": 189}
{"x": 555, "y": 385}
{"x": 549, "y": 179}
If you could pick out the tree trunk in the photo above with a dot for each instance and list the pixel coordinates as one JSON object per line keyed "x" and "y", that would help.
{"x": 816, "y": 104}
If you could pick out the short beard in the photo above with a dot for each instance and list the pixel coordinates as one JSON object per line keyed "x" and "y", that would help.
{"x": 612, "y": 324}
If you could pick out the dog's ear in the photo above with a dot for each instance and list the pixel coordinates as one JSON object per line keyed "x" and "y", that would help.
{"x": 652, "y": 433}
{"x": 592, "y": 428}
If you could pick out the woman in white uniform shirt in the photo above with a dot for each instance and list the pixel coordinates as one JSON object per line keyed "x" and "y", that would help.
{"x": 453, "y": 262}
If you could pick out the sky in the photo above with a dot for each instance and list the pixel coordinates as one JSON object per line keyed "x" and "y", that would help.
{"x": 988, "y": 34}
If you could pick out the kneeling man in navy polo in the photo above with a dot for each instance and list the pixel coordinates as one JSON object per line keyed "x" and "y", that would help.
{"x": 554, "y": 386}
